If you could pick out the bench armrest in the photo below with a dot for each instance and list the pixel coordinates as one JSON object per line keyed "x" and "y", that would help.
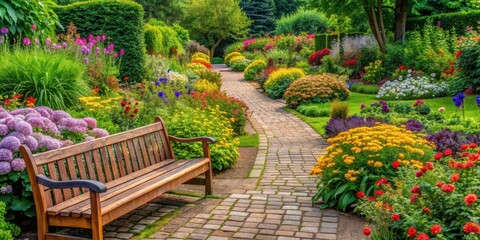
{"x": 196, "y": 139}
{"x": 93, "y": 185}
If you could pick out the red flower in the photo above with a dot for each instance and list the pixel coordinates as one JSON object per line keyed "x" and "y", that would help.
{"x": 473, "y": 145}
{"x": 424, "y": 169}
{"x": 379, "y": 192}
{"x": 470, "y": 199}
{"x": 372, "y": 199}
{"x": 418, "y": 102}
{"x": 135, "y": 111}
{"x": 429, "y": 165}
{"x": 7, "y": 102}
{"x": 360, "y": 194}
{"x": 125, "y": 78}
{"x": 419, "y": 173}
{"x": 448, "y": 188}
{"x": 439, "y": 184}
{"x": 438, "y": 156}
{"x": 16, "y": 97}
{"x": 471, "y": 227}
{"x": 464, "y": 147}
{"x": 127, "y": 108}
{"x": 426, "y": 210}
{"x": 455, "y": 177}
{"x": 396, "y": 164}
{"x": 395, "y": 217}
{"x": 412, "y": 232}
{"x": 447, "y": 152}
{"x": 367, "y": 231}
{"x": 30, "y": 100}
{"x": 423, "y": 236}
{"x": 435, "y": 229}
{"x": 458, "y": 53}
{"x": 413, "y": 197}
{"x": 123, "y": 103}
{"x": 381, "y": 181}
{"x": 416, "y": 189}
{"x": 132, "y": 115}
{"x": 464, "y": 154}
{"x": 95, "y": 91}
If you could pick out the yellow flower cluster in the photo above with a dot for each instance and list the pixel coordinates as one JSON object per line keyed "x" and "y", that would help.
{"x": 201, "y": 55}
{"x": 350, "y": 175}
{"x": 99, "y": 103}
{"x": 230, "y": 56}
{"x": 374, "y": 148}
{"x": 204, "y": 85}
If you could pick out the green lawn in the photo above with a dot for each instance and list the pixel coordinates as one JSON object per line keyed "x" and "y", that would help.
{"x": 249, "y": 140}
{"x": 356, "y": 99}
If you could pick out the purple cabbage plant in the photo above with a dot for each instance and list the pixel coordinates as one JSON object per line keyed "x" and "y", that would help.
{"x": 414, "y": 126}
{"x": 337, "y": 125}
{"x": 447, "y": 139}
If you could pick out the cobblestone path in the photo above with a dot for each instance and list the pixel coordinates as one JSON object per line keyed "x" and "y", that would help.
{"x": 280, "y": 207}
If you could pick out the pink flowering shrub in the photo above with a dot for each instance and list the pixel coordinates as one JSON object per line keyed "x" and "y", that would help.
{"x": 41, "y": 129}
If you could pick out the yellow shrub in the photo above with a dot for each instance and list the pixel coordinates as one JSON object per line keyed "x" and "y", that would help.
{"x": 204, "y": 85}
{"x": 230, "y": 56}
{"x": 280, "y": 80}
{"x": 202, "y": 56}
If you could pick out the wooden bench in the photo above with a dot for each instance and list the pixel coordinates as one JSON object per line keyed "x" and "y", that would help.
{"x": 90, "y": 184}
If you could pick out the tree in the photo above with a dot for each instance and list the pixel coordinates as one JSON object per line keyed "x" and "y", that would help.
{"x": 431, "y": 7}
{"x": 169, "y": 11}
{"x": 212, "y": 21}
{"x": 261, "y": 12}
{"x": 286, "y": 7}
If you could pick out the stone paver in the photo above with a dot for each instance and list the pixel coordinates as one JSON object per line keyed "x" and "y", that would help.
{"x": 280, "y": 206}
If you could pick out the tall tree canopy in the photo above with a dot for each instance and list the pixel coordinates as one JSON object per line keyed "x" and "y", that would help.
{"x": 286, "y": 7}
{"x": 212, "y": 21}
{"x": 169, "y": 11}
{"x": 261, "y": 12}
{"x": 430, "y": 7}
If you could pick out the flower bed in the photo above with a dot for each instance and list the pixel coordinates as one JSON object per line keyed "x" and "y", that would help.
{"x": 412, "y": 88}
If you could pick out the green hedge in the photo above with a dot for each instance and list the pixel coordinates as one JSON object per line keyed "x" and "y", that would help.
{"x": 458, "y": 20}
{"x": 325, "y": 40}
{"x": 120, "y": 20}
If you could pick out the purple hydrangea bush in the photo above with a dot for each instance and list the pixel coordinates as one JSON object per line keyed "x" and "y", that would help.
{"x": 41, "y": 129}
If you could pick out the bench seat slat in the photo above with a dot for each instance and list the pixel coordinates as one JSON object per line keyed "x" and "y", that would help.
{"x": 128, "y": 189}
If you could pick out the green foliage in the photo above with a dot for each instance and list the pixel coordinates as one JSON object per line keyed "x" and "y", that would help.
{"x": 469, "y": 62}
{"x": 339, "y": 109}
{"x": 234, "y": 47}
{"x": 279, "y": 56}
{"x": 211, "y": 76}
{"x": 55, "y": 80}
{"x": 362, "y": 88}
{"x": 20, "y": 15}
{"x": 280, "y": 80}
{"x": 155, "y": 67}
{"x": 330, "y": 66}
{"x": 325, "y": 40}
{"x": 316, "y": 89}
{"x": 313, "y": 110}
{"x": 303, "y": 21}
{"x": 287, "y": 7}
{"x": 153, "y": 40}
{"x": 254, "y": 68}
{"x": 458, "y": 21}
{"x": 210, "y": 121}
{"x": 212, "y": 21}
{"x": 170, "y": 41}
{"x": 171, "y": 11}
{"x": 7, "y": 230}
{"x": 249, "y": 140}
{"x": 432, "y": 7}
{"x": 112, "y": 18}
{"x": 217, "y": 60}
{"x": 261, "y": 12}
{"x": 230, "y": 56}
{"x": 239, "y": 64}
{"x": 182, "y": 34}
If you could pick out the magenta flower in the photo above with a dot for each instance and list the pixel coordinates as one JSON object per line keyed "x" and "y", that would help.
{"x": 34, "y": 27}
{"x": 122, "y": 52}
{"x": 104, "y": 37}
{"x": 97, "y": 50}
{"x": 115, "y": 55}
{"x": 85, "y": 60}
{"x": 4, "y": 31}
{"x": 64, "y": 45}
{"x": 26, "y": 41}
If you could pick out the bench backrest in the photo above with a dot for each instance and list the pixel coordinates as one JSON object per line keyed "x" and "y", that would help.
{"x": 103, "y": 159}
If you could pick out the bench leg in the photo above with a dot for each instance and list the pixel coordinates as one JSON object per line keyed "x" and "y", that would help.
{"x": 208, "y": 181}
{"x": 96, "y": 217}
{"x": 42, "y": 227}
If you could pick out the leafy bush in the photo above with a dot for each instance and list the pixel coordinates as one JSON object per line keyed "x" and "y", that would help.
{"x": 303, "y": 21}
{"x": 41, "y": 129}
{"x": 468, "y": 62}
{"x": 313, "y": 110}
{"x": 211, "y": 76}
{"x": 182, "y": 34}
{"x": 235, "y": 109}
{"x": 202, "y": 56}
{"x": 330, "y": 66}
{"x": 316, "y": 89}
{"x": 153, "y": 40}
{"x": 7, "y": 230}
{"x": 280, "y": 80}
{"x": 453, "y": 140}
{"x": 116, "y": 16}
{"x": 373, "y": 72}
{"x": 231, "y": 55}
{"x": 316, "y": 58}
{"x": 254, "y": 68}
{"x": 362, "y": 88}
{"x": 155, "y": 67}
{"x": 54, "y": 80}
{"x": 203, "y": 62}
{"x": 351, "y": 47}
{"x": 217, "y": 60}
{"x": 338, "y": 125}
{"x": 204, "y": 85}
{"x": 194, "y": 47}
{"x": 171, "y": 44}
{"x": 234, "y": 47}
{"x": 210, "y": 121}
{"x": 411, "y": 88}
{"x": 339, "y": 109}
{"x": 458, "y": 21}
{"x": 20, "y": 15}
{"x": 280, "y": 57}
{"x": 352, "y": 166}
{"x": 239, "y": 63}
{"x": 439, "y": 200}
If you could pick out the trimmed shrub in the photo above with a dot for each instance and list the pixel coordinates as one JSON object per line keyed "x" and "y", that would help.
{"x": 196, "y": 68}
{"x": 112, "y": 18}
{"x": 469, "y": 62}
{"x": 316, "y": 89}
{"x": 280, "y": 80}
{"x": 234, "y": 47}
{"x": 54, "y": 80}
{"x": 303, "y": 21}
{"x": 217, "y": 60}
{"x": 314, "y": 110}
{"x": 209, "y": 121}
{"x": 458, "y": 21}
{"x": 238, "y": 64}
{"x": 253, "y": 69}
{"x": 231, "y": 55}
{"x": 203, "y": 62}
{"x": 182, "y": 34}
{"x": 153, "y": 40}
{"x": 170, "y": 42}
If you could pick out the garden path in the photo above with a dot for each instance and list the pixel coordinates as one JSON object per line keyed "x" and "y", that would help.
{"x": 280, "y": 206}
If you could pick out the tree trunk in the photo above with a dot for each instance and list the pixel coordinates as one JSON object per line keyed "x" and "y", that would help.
{"x": 376, "y": 29}
{"x": 380, "y": 19}
{"x": 214, "y": 46}
{"x": 401, "y": 9}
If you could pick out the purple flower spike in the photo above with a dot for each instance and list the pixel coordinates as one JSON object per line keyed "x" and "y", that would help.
{"x": 5, "y": 168}
{"x": 122, "y": 52}
{"x": 6, "y": 155}
{"x": 18, "y": 164}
